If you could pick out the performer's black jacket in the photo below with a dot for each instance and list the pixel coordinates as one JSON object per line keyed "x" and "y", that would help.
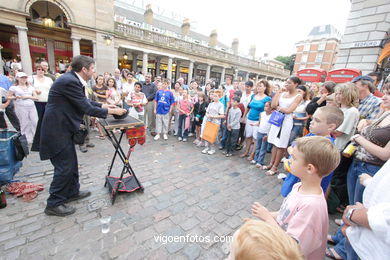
{"x": 64, "y": 113}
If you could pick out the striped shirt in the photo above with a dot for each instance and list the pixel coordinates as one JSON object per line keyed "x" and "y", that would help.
{"x": 369, "y": 107}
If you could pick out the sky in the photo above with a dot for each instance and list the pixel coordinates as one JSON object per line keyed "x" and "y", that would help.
{"x": 274, "y": 26}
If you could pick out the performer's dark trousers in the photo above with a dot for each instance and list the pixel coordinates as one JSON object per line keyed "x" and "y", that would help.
{"x": 40, "y": 106}
{"x": 65, "y": 182}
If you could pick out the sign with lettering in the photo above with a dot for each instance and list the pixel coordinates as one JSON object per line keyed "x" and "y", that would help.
{"x": 366, "y": 44}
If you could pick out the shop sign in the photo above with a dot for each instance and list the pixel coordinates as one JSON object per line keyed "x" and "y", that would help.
{"x": 366, "y": 44}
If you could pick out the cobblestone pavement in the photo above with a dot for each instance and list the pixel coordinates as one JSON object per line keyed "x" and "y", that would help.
{"x": 186, "y": 193}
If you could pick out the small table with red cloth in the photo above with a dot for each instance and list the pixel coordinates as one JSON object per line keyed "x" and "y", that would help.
{"x": 134, "y": 130}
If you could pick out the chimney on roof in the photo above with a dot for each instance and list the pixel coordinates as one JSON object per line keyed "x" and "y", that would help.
{"x": 213, "y": 39}
{"x": 235, "y": 46}
{"x": 252, "y": 51}
{"x": 185, "y": 27}
{"x": 148, "y": 15}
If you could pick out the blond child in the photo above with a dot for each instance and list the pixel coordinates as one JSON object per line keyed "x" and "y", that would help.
{"x": 259, "y": 240}
{"x": 303, "y": 214}
{"x": 347, "y": 97}
{"x": 214, "y": 113}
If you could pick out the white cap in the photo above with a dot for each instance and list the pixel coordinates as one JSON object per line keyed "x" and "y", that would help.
{"x": 21, "y": 74}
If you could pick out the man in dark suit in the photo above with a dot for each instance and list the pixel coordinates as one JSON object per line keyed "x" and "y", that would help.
{"x": 65, "y": 109}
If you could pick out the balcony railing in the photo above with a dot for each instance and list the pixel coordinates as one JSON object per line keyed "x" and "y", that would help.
{"x": 158, "y": 39}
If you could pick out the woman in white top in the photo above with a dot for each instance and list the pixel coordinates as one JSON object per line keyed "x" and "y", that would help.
{"x": 286, "y": 103}
{"x": 347, "y": 97}
{"x": 24, "y": 105}
{"x": 300, "y": 116}
{"x": 41, "y": 85}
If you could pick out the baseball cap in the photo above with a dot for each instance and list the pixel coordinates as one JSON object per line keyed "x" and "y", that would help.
{"x": 21, "y": 74}
{"x": 368, "y": 78}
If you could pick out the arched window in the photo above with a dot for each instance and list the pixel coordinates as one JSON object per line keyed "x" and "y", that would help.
{"x": 48, "y": 15}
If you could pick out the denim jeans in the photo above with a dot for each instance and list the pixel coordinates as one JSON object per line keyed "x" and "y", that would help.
{"x": 351, "y": 254}
{"x": 182, "y": 125}
{"x": 224, "y": 132}
{"x": 296, "y": 132}
{"x": 261, "y": 148}
{"x": 340, "y": 239}
{"x": 231, "y": 140}
{"x": 355, "y": 189}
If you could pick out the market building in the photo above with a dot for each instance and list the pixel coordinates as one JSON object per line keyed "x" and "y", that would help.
{"x": 119, "y": 34}
{"x": 318, "y": 50}
{"x": 365, "y": 44}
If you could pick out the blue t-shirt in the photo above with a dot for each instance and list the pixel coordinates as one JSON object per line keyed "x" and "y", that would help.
{"x": 292, "y": 179}
{"x": 224, "y": 101}
{"x": 164, "y": 99}
{"x": 256, "y": 107}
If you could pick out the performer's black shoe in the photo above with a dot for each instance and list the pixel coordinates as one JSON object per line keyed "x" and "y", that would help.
{"x": 60, "y": 211}
{"x": 82, "y": 194}
{"x": 83, "y": 149}
{"x": 90, "y": 145}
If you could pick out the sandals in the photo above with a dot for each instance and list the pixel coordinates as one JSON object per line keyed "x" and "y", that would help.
{"x": 243, "y": 155}
{"x": 267, "y": 167}
{"x": 331, "y": 253}
{"x": 330, "y": 240}
{"x": 101, "y": 137}
{"x": 271, "y": 172}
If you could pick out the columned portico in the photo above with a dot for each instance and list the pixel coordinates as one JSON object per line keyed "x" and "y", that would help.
{"x": 169, "y": 72}
{"x": 247, "y": 76}
{"x": 223, "y": 75}
{"x": 134, "y": 62}
{"x": 235, "y": 74}
{"x": 145, "y": 63}
{"x": 190, "y": 71}
{"x": 50, "y": 54}
{"x": 24, "y": 49}
{"x": 76, "y": 45}
{"x": 158, "y": 64}
{"x": 177, "y": 73}
{"x": 208, "y": 70}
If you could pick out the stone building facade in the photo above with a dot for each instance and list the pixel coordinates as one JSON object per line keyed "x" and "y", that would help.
{"x": 318, "y": 50}
{"x": 366, "y": 37}
{"x": 117, "y": 34}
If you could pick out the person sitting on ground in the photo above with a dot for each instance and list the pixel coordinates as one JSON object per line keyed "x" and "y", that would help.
{"x": 303, "y": 214}
{"x": 259, "y": 240}
{"x": 233, "y": 126}
{"x": 163, "y": 104}
{"x": 325, "y": 121}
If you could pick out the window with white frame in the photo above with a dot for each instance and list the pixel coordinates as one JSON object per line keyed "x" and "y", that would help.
{"x": 319, "y": 57}
{"x": 306, "y": 47}
{"x": 304, "y": 58}
{"x": 321, "y": 46}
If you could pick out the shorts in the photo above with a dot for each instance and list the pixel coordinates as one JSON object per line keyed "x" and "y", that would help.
{"x": 250, "y": 130}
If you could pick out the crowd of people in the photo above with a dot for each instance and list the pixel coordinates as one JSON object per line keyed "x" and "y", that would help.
{"x": 346, "y": 129}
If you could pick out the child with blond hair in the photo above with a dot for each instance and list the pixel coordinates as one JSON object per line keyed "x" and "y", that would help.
{"x": 259, "y": 240}
{"x": 304, "y": 214}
